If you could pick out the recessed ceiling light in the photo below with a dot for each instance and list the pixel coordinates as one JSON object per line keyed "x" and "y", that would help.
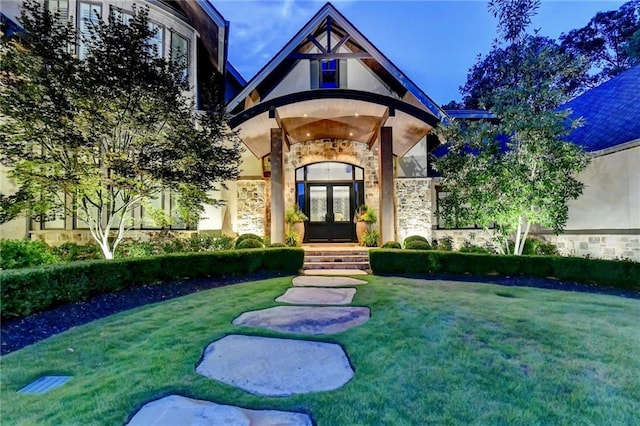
{"x": 350, "y": 133}
{"x": 304, "y": 115}
{"x": 308, "y": 134}
{"x": 357, "y": 115}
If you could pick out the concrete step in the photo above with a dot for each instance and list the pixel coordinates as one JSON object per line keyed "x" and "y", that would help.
{"x": 337, "y": 259}
{"x": 336, "y": 265}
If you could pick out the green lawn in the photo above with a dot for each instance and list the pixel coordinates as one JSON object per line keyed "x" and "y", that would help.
{"x": 433, "y": 353}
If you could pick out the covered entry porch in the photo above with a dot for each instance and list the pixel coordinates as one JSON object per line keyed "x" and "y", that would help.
{"x": 329, "y": 151}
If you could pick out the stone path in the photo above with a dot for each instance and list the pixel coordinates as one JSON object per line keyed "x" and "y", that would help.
{"x": 273, "y": 366}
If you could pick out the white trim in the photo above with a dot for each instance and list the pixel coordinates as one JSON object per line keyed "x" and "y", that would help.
{"x": 614, "y": 149}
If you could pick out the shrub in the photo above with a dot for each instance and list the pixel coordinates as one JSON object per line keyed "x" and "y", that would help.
{"x": 273, "y": 245}
{"x": 129, "y": 248}
{"x": 444, "y": 244}
{"x": 243, "y": 237}
{"x": 15, "y": 254}
{"x": 248, "y": 243}
{"x": 467, "y": 247}
{"x": 370, "y": 238}
{"x": 417, "y": 245}
{"x": 292, "y": 239}
{"x": 623, "y": 274}
{"x": 414, "y": 238}
{"x": 71, "y": 252}
{"x": 31, "y": 290}
{"x": 392, "y": 245}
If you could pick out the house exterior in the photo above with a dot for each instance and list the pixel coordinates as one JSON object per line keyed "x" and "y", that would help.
{"x": 330, "y": 123}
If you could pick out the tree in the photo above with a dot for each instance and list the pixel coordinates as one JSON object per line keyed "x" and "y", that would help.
{"x": 102, "y": 136}
{"x": 603, "y": 40}
{"x": 509, "y": 175}
{"x": 500, "y": 69}
{"x": 633, "y": 46}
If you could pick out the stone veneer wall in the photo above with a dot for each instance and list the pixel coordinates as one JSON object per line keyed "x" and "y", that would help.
{"x": 55, "y": 237}
{"x": 602, "y": 246}
{"x": 414, "y": 210}
{"x": 476, "y": 237}
{"x": 315, "y": 151}
{"x": 252, "y": 207}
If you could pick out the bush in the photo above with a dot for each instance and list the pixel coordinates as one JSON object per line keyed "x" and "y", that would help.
{"x": 31, "y": 290}
{"x": 414, "y": 238}
{"x": 444, "y": 244}
{"x": 272, "y": 245}
{"x": 243, "y": 237}
{"x": 370, "y": 238}
{"x": 15, "y": 254}
{"x": 248, "y": 243}
{"x": 467, "y": 247}
{"x": 72, "y": 252}
{"x": 417, "y": 245}
{"x": 392, "y": 245}
{"x": 616, "y": 273}
{"x": 132, "y": 249}
{"x": 292, "y": 239}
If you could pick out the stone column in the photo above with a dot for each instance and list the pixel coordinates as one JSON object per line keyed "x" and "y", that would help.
{"x": 387, "y": 214}
{"x": 277, "y": 186}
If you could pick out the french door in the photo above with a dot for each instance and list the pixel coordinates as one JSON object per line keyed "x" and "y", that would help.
{"x": 330, "y": 210}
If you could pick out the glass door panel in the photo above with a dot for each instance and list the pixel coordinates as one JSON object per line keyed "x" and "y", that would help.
{"x": 318, "y": 203}
{"x": 341, "y": 203}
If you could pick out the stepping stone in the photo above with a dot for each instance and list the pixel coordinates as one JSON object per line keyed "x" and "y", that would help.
{"x": 276, "y": 367}
{"x": 318, "y": 296}
{"x": 179, "y": 410}
{"x": 305, "y": 319}
{"x": 317, "y": 281}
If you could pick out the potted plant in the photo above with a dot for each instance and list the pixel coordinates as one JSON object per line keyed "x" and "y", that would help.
{"x": 295, "y": 218}
{"x": 364, "y": 218}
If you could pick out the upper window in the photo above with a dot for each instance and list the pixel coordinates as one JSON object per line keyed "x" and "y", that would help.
{"x": 157, "y": 39}
{"x": 180, "y": 52}
{"x": 88, "y": 16}
{"x": 329, "y": 74}
{"x": 121, "y": 16}
{"x": 61, "y": 7}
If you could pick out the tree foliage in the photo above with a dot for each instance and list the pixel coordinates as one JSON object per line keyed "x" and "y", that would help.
{"x": 102, "y": 136}
{"x": 508, "y": 175}
{"x": 603, "y": 42}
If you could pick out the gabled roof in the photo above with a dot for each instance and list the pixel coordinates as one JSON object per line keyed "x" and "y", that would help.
{"x": 611, "y": 112}
{"x": 282, "y": 61}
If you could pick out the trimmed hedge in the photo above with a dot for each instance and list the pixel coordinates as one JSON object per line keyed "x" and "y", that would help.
{"x": 622, "y": 274}
{"x": 417, "y": 245}
{"x": 27, "y": 291}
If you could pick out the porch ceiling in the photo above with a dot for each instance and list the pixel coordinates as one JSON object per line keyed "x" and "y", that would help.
{"x": 331, "y": 118}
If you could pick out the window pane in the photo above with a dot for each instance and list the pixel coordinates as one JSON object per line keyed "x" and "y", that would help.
{"x": 89, "y": 16}
{"x": 329, "y": 171}
{"x": 180, "y": 52}
{"x": 300, "y": 196}
{"x": 359, "y": 173}
{"x": 300, "y": 173}
{"x": 329, "y": 73}
{"x": 318, "y": 203}
{"x": 341, "y": 204}
{"x": 61, "y": 7}
{"x": 158, "y": 39}
{"x": 152, "y": 206}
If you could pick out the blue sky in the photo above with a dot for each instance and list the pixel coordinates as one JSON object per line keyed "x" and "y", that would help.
{"x": 433, "y": 42}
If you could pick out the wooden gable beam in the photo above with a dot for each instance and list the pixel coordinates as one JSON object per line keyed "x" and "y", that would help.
{"x": 315, "y": 41}
{"x": 331, "y": 55}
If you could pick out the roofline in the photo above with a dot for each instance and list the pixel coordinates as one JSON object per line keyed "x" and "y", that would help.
{"x": 236, "y": 74}
{"x": 613, "y": 149}
{"x": 359, "y": 95}
{"x": 324, "y": 12}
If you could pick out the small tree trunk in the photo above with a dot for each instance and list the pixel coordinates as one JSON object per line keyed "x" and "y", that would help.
{"x": 524, "y": 237}
{"x": 516, "y": 246}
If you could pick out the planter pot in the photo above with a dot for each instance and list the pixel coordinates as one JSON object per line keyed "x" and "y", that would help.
{"x": 298, "y": 227}
{"x": 361, "y": 228}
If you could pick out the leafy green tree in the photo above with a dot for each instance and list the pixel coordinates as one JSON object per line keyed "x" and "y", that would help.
{"x": 633, "y": 46}
{"x": 102, "y": 136}
{"x": 509, "y": 175}
{"x": 603, "y": 40}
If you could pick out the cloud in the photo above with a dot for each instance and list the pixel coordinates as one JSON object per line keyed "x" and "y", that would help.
{"x": 259, "y": 29}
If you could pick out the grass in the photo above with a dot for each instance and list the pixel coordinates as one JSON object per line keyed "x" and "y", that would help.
{"x": 433, "y": 352}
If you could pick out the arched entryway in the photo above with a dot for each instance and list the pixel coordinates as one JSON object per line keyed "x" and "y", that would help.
{"x": 329, "y": 193}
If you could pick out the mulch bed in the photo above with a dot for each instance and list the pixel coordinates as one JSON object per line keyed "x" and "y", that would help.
{"x": 18, "y": 333}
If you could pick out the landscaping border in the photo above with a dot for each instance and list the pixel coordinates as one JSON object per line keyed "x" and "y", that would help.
{"x": 27, "y": 291}
{"x": 608, "y": 273}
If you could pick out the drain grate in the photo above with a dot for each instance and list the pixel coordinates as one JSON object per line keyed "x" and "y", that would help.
{"x": 45, "y": 384}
